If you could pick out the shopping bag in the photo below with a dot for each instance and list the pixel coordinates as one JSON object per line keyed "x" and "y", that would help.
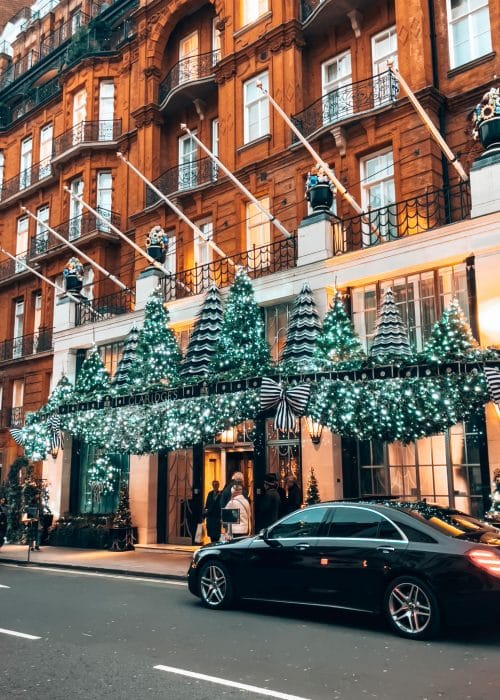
{"x": 198, "y": 537}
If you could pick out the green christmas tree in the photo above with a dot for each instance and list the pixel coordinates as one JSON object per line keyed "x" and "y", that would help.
{"x": 242, "y": 348}
{"x": 337, "y": 341}
{"x": 157, "y": 356}
{"x": 123, "y": 516}
{"x": 312, "y": 494}
{"x": 101, "y": 477}
{"x": 93, "y": 378}
{"x": 61, "y": 393}
{"x": 451, "y": 337}
{"x": 303, "y": 330}
{"x": 121, "y": 380}
{"x": 202, "y": 346}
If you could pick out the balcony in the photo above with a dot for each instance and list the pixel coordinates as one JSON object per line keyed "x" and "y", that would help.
{"x": 183, "y": 178}
{"x": 190, "y": 79}
{"x": 347, "y": 103}
{"x": 422, "y": 213}
{"x": 104, "y": 308}
{"x": 259, "y": 262}
{"x": 13, "y": 268}
{"x": 12, "y": 417}
{"x": 26, "y": 181}
{"x": 315, "y": 15}
{"x": 26, "y": 345}
{"x": 30, "y": 101}
{"x": 86, "y": 227}
{"x": 90, "y": 135}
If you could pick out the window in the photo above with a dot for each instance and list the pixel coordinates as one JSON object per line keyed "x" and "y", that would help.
{"x": 42, "y": 235}
{"x": 75, "y": 210}
{"x": 420, "y": 298}
{"x": 170, "y": 259}
{"x": 188, "y": 62}
{"x": 215, "y": 146}
{"x": 360, "y": 523}
{"x": 21, "y": 243}
{"x": 16, "y": 418}
{"x": 202, "y": 250}
{"x": 26, "y": 161}
{"x": 76, "y": 22}
{"x": 256, "y": 108}
{"x": 469, "y": 34}
{"x": 106, "y": 110}
{"x": 258, "y": 235}
{"x": 216, "y": 41}
{"x": 188, "y": 164}
{"x": 104, "y": 198}
{"x": 17, "y": 333}
{"x": 384, "y": 48}
{"x": 377, "y": 192}
{"x": 303, "y": 523}
{"x": 88, "y": 282}
{"x": 252, "y": 10}
{"x": 45, "y": 151}
{"x": 37, "y": 322}
{"x": 277, "y": 319}
{"x": 79, "y": 115}
{"x": 336, "y": 74}
{"x": 111, "y": 355}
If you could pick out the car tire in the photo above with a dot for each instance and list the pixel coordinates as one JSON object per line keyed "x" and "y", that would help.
{"x": 215, "y": 585}
{"x": 411, "y": 608}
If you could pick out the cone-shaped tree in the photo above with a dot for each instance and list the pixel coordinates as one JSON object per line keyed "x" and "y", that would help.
{"x": 312, "y": 494}
{"x": 390, "y": 343}
{"x": 242, "y": 348}
{"x": 451, "y": 337}
{"x": 123, "y": 516}
{"x": 93, "y": 379}
{"x": 303, "y": 330}
{"x": 61, "y": 393}
{"x": 203, "y": 342}
{"x": 337, "y": 341}
{"x": 157, "y": 355}
{"x": 121, "y": 380}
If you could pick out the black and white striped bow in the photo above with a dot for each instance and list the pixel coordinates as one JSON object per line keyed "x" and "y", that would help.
{"x": 56, "y": 436}
{"x": 492, "y": 376}
{"x": 290, "y": 402}
{"x": 18, "y": 435}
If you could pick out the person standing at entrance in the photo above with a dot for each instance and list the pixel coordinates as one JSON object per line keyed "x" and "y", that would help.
{"x": 269, "y": 502}
{"x": 212, "y": 512}
{"x": 240, "y": 502}
{"x": 236, "y": 479}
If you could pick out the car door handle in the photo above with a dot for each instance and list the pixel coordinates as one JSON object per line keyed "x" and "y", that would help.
{"x": 302, "y": 546}
{"x": 386, "y": 550}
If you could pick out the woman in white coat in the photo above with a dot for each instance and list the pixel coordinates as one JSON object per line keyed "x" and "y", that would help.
{"x": 239, "y": 501}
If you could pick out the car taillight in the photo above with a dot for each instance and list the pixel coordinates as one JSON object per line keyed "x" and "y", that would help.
{"x": 487, "y": 560}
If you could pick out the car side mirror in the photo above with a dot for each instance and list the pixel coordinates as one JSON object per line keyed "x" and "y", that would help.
{"x": 269, "y": 540}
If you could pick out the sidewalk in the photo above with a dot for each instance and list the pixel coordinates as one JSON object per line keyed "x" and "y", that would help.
{"x": 168, "y": 563}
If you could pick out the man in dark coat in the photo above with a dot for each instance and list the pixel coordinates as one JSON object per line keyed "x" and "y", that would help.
{"x": 270, "y": 502}
{"x": 212, "y": 512}
{"x": 294, "y": 497}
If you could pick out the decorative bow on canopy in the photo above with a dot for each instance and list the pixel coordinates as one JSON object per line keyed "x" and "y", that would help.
{"x": 290, "y": 402}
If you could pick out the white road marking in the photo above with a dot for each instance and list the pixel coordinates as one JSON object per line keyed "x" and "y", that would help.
{"x": 18, "y": 634}
{"x": 230, "y": 684}
{"x": 76, "y": 572}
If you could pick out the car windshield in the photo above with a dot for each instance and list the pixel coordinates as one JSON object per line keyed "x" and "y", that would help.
{"x": 452, "y": 522}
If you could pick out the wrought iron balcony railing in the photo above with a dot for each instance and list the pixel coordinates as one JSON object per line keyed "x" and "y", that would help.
{"x": 260, "y": 262}
{"x": 33, "y": 99}
{"x": 72, "y": 229}
{"x": 405, "y": 218}
{"x": 9, "y": 268}
{"x": 64, "y": 32}
{"x": 106, "y": 131}
{"x": 104, "y": 308}
{"x": 184, "y": 177}
{"x": 26, "y": 345}
{"x": 346, "y": 102}
{"x": 27, "y": 178}
{"x": 189, "y": 70}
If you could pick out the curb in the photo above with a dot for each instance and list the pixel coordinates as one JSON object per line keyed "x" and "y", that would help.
{"x": 96, "y": 570}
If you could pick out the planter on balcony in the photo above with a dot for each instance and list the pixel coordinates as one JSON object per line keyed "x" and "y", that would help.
{"x": 320, "y": 196}
{"x": 73, "y": 283}
{"x": 157, "y": 252}
{"x": 489, "y": 133}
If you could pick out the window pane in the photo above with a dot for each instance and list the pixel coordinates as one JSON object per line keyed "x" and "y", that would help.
{"x": 355, "y": 523}
{"x": 303, "y": 523}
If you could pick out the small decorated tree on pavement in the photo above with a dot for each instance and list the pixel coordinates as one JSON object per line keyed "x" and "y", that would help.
{"x": 123, "y": 516}
{"x": 451, "y": 337}
{"x": 312, "y": 494}
{"x": 337, "y": 341}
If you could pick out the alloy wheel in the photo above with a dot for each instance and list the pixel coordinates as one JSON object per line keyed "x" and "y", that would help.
{"x": 410, "y": 608}
{"x": 213, "y": 585}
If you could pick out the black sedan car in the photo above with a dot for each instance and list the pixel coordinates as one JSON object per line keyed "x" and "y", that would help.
{"x": 418, "y": 564}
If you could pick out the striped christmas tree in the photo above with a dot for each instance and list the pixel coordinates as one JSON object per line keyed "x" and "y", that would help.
{"x": 303, "y": 330}
{"x": 203, "y": 342}
{"x": 121, "y": 380}
{"x": 391, "y": 343}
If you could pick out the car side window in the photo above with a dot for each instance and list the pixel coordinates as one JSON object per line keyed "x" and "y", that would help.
{"x": 388, "y": 531}
{"x": 355, "y": 522}
{"x": 302, "y": 523}
{"x": 415, "y": 535}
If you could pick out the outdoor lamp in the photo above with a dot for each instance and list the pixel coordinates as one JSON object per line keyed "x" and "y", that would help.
{"x": 314, "y": 428}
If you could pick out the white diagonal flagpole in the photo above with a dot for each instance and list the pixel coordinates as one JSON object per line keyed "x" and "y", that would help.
{"x": 75, "y": 249}
{"x": 428, "y": 122}
{"x": 319, "y": 161}
{"x": 176, "y": 209}
{"x": 238, "y": 184}
{"x": 46, "y": 279}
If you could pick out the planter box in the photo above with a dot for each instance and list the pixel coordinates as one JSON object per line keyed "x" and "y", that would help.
{"x": 98, "y": 537}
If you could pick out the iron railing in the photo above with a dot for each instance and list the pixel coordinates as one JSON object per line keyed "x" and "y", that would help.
{"x": 64, "y": 32}
{"x": 347, "y": 101}
{"x": 12, "y": 417}
{"x": 26, "y": 178}
{"x": 184, "y": 177}
{"x": 259, "y": 262}
{"x": 9, "y": 268}
{"x": 405, "y": 218}
{"x": 25, "y": 345}
{"x": 33, "y": 99}
{"x": 72, "y": 229}
{"x": 88, "y": 132}
{"x": 188, "y": 70}
{"x": 104, "y": 308}
{"x": 5, "y": 48}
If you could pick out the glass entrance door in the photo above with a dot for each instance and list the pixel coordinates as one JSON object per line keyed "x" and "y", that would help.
{"x": 181, "y": 509}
